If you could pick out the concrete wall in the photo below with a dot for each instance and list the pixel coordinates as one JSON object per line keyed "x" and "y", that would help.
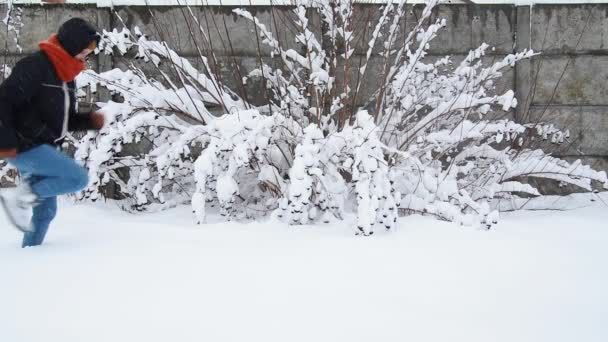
{"x": 565, "y": 84}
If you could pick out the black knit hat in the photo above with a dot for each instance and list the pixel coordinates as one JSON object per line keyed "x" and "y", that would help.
{"x": 76, "y": 34}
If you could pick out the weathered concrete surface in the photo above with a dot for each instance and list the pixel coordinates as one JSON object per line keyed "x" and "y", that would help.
{"x": 570, "y": 29}
{"x": 467, "y": 27}
{"x": 580, "y": 80}
{"x": 572, "y": 38}
{"x": 39, "y": 22}
{"x": 470, "y": 26}
{"x": 212, "y": 28}
{"x": 594, "y": 122}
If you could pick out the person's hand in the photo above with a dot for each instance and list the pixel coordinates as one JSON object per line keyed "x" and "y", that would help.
{"x": 8, "y": 153}
{"x": 97, "y": 120}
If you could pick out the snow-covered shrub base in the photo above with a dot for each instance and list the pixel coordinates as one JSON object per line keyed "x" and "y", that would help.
{"x": 427, "y": 143}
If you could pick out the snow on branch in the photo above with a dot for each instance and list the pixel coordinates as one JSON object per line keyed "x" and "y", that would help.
{"x": 434, "y": 138}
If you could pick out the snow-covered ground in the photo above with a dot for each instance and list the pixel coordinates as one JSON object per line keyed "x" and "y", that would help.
{"x": 105, "y": 275}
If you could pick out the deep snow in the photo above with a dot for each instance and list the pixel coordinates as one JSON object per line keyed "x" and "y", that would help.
{"x": 105, "y": 275}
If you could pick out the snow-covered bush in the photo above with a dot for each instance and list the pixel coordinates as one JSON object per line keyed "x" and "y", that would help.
{"x": 429, "y": 140}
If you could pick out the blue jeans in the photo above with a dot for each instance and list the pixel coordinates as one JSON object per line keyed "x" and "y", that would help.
{"x": 50, "y": 173}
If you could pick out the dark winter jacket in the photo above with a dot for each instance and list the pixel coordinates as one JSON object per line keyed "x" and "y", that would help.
{"x": 36, "y": 107}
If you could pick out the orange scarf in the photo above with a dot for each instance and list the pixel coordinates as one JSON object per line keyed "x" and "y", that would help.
{"x": 66, "y": 66}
